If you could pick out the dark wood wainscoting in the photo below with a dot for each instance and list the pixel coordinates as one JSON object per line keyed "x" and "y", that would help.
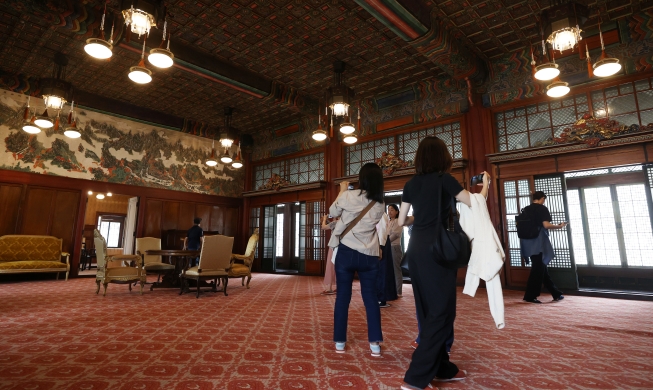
{"x": 53, "y": 205}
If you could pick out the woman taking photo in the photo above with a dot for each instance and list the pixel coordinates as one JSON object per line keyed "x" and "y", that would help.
{"x": 434, "y": 286}
{"x": 394, "y": 231}
{"x": 358, "y": 251}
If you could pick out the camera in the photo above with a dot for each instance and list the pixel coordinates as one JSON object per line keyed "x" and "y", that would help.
{"x": 350, "y": 187}
{"x": 478, "y": 179}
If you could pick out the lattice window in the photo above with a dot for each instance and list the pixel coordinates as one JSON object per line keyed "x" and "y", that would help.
{"x": 298, "y": 170}
{"x": 577, "y": 229}
{"x": 315, "y": 236}
{"x": 254, "y": 217}
{"x": 629, "y": 103}
{"x": 362, "y": 153}
{"x": 553, "y": 188}
{"x": 269, "y": 226}
{"x": 636, "y": 224}
{"x": 527, "y": 127}
{"x": 517, "y": 196}
{"x": 605, "y": 171}
{"x": 449, "y": 133}
{"x": 649, "y": 171}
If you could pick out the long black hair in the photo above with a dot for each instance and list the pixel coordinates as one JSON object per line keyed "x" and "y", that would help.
{"x": 394, "y": 206}
{"x": 370, "y": 179}
{"x": 432, "y": 156}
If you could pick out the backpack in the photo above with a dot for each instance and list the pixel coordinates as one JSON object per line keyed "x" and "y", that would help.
{"x": 527, "y": 226}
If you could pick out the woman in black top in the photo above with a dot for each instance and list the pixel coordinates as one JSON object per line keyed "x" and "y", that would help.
{"x": 434, "y": 286}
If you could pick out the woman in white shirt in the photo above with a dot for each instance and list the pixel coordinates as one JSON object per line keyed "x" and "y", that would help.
{"x": 394, "y": 231}
{"x": 358, "y": 251}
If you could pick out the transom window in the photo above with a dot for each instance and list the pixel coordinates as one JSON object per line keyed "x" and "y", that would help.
{"x": 298, "y": 170}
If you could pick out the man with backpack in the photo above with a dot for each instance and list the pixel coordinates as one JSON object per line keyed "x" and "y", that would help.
{"x": 532, "y": 228}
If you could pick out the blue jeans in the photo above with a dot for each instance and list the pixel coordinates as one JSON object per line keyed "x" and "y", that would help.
{"x": 349, "y": 261}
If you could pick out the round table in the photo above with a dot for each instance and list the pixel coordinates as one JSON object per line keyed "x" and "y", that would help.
{"x": 172, "y": 280}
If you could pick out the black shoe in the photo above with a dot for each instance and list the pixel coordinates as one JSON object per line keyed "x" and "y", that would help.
{"x": 560, "y": 298}
{"x": 534, "y": 300}
{"x": 384, "y": 305}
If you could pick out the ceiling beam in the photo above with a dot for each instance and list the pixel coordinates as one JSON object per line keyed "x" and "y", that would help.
{"x": 406, "y": 19}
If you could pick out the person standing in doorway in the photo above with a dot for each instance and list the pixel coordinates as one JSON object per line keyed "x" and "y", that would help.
{"x": 194, "y": 239}
{"x": 394, "y": 231}
{"x": 330, "y": 269}
{"x": 540, "y": 250}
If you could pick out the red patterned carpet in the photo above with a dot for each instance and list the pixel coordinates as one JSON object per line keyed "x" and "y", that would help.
{"x": 277, "y": 335}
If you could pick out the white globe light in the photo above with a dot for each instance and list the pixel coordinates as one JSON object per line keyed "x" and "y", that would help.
{"x": 557, "y": 89}
{"x": 319, "y": 135}
{"x": 226, "y": 159}
{"x": 99, "y": 196}
{"x": 237, "y": 164}
{"x": 140, "y": 75}
{"x": 546, "y": 72}
{"x": 211, "y": 162}
{"x": 30, "y": 128}
{"x": 98, "y": 48}
{"x": 340, "y": 109}
{"x": 606, "y": 67}
{"x": 43, "y": 122}
{"x": 347, "y": 128}
{"x": 350, "y": 139}
{"x": 72, "y": 133}
{"x": 161, "y": 58}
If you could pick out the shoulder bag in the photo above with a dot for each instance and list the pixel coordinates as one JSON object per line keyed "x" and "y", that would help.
{"x": 351, "y": 226}
{"x": 451, "y": 248}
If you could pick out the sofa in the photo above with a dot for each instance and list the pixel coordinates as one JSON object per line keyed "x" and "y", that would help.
{"x": 30, "y": 254}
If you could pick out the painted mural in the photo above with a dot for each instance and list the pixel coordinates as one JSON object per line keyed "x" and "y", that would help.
{"x": 114, "y": 150}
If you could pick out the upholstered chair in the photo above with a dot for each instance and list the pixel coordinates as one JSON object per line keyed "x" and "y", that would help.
{"x": 121, "y": 269}
{"x": 241, "y": 265}
{"x": 152, "y": 264}
{"x": 215, "y": 259}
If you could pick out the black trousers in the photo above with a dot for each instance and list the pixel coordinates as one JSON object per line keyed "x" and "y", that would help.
{"x": 434, "y": 288}
{"x": 539, "y": 275}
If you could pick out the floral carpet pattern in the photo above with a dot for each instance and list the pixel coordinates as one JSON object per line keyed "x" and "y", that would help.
{"x": 277, "y": 335}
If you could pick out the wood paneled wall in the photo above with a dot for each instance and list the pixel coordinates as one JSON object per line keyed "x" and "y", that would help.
{"x": 114, "y": 204}
{"x": 162, "y": 215}
{"x": 53, "y": 205}
{"x": 34, "y": 210}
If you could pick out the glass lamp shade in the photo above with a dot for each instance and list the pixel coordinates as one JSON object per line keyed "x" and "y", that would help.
{"x": 30, "y": 128}
{"x": 546, "y": 72}
{"x": 606, "y": 67}
{"x": 140, "y": 21}
{"x": 211, "y": 162}
{"x": 226, "y": 158}
{"x": 564, "y": 39}
{"x": 44, "y": 122}
{"x": 350, "y": 139}
{"x": 347, "y": 128}
{"x": 237, "y": 164}
{"x": 225, "y": 141}
{"x": 161, "y": 58}
{"x": 319, "y": 135}
{"x": 340, "y": 109}
{"x": 140, "y": 74}
{"x": 72, "y": 132}
{"x": 100, "y": 196}
{"x": 54, "y": 102}
{"x": 557, "y": 89}
{"x": 98, "y": 48}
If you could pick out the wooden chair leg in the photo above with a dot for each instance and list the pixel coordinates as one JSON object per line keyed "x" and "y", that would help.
{"x": 215, "y": 285}
{"x": 224, "y": 288}
{"x": 130, "y": 287}
{"x": 57, "y": 276}
{"x": 142, "y": 284}
{"x": 243, "y": 281}
{"x": 181, "y": 288}
{"x": 105, "y": 289}
{"x": 67, "y": 272}
{"x": 248, "y": 279}
{"x": 98, "y": 286}
{"x": 198, "y": 288}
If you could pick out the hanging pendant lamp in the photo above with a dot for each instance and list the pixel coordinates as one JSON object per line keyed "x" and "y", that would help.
{"x": 319, "y": 134}
{"x": 605, "y": 66}
{"x": 71, "y": 130}
{"x": 557, "y": 89}
{"x": 160, "y": 57}
{"x": 139, "y": 73}
{"x": 100, "y": 48}
{"x": 28, "y": 122}
{"x": 238, "y": 162}
{"x": 212, "y": 161}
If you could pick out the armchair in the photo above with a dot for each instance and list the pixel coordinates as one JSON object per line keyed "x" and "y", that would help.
{"x": 109, "y": 272}
{"x": 241, "y": 265}
{"x": 152, "y": 264}
{"x": 214, "y": 264}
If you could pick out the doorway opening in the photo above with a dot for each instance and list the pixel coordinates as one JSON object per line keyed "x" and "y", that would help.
{"x": 114, "y": 217}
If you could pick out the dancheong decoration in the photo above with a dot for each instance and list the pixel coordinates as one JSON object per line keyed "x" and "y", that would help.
{"x": 390, "y": 163}
{"x": 591, "y": 131}
{"x": 276, "y": 182}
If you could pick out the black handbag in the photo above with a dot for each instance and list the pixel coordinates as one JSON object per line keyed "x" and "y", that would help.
{"x": 451, "y": 248}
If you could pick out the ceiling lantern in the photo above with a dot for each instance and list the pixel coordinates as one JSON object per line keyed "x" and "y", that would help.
{"x": 557, "y": 89}
{"x": 225, "y": 140}
{"x": 562, "y": 24}
{"x": 100, "y": 48}
{"x": 139, "y": 73}
{"x": 137, "y": 19}
{"x": 160, "y": 57}
{"x": 338, "y": 95}
{"x": 211, "y": 160}
{"x": 56, "y": 92}
{"x": 605, "y": 66}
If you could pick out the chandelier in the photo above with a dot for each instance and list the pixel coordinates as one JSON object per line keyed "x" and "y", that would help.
{"x": 140, "y": 21}
{"x": 562, "y": 24}
{"x": 56, "y": 92}
{"x": 338, "y": 95}
{"x": 100, "y": 48}
{"x": 225, "y": 140}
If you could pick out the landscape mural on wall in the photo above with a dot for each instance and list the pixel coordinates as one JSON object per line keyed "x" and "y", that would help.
{"x": 114, "y": 150}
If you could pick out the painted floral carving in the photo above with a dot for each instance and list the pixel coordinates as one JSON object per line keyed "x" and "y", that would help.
{"x": 390, "y": 163}
{"x": 276, "y": 182}
{"x": 591, "y": 131}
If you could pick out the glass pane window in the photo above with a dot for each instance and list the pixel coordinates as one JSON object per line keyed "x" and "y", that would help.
{"x": 553, "y": 188}
{"x": 298, "y": 170}
{"x": 516, "y": 196}
{"x": 362, "y": 153}
{"x": 636, "y": 224}
{"x": 279, "y": 236}
{"x": 577, "y": 230}
{"x": 110, "y": 228}
{"x": 602, "y": 227}
{"x": 450, "y": 133}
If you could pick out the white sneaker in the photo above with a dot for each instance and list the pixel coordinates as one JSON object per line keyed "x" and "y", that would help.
{"x": 340, "y": 347}
{"x": 376, "y": 349}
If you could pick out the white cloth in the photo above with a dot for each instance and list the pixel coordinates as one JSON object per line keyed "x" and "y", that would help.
{"x": 382, "y": 228}
{"x": 487, "y": 255}
{"x": 363, "y": 238}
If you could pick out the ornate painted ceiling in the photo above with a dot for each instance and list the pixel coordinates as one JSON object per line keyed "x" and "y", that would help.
{"x": 271, "y": 59}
